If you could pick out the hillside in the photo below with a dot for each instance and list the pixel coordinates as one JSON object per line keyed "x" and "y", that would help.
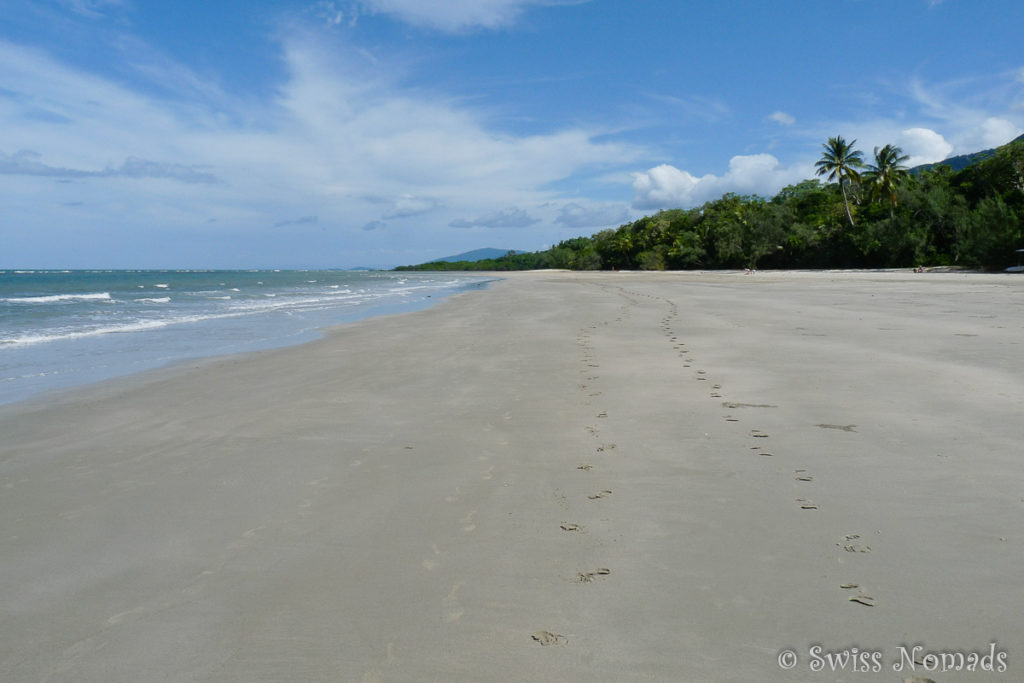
{"x": 972, "y": 218}
{"x": 962, "y": 161}
{"x": 479, "y": 255}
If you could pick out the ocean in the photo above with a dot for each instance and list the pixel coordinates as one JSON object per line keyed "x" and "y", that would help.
{"x": 60, "y": 329}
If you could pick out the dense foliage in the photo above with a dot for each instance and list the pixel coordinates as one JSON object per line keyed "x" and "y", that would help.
{"x": 885, "y": 217}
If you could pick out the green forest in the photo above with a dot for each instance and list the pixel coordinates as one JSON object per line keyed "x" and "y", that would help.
{"x": 858, "y": 213}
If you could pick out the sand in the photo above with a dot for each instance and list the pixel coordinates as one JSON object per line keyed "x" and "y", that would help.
{"x": 569, "y": 476}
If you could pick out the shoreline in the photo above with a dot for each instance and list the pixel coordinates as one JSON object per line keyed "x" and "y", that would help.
{"x": 568, "y": 476}
{"x": 107, "y": 364}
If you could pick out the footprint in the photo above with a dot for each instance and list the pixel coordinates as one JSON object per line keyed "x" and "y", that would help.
{"x": 845, "y": 428}
{"x": 549, "y": 638}
{"x": 807, "y": 504}
{"x": 566, "y": 526}
{"x": 588, "y": 577}
{"x": 758, "y": 434}
{"x": 851, "y": 544}
{"x": 805, "y": 477}
{"x": 585, "y": 467}
{"x": 600, "y": 494}
{"x": 603, "y": 413}
{"x": 848, "y": 586}
{"x": 866, "y": 600}
{"x": 730, "y": 418}
{"x": 606, "y": 447}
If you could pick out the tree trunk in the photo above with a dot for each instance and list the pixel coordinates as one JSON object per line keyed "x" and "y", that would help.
{"x": 846, "y": 202}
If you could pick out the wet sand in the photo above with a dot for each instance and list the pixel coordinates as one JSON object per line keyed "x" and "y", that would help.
{"x": 570, "y": 476}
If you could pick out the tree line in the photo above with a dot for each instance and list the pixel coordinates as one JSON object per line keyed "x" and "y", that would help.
{"x": 867, "y": 214}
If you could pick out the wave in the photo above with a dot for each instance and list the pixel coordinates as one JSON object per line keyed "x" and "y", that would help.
{"x": 55, "y": 298}
{"x": 268, "y": 303}
{"x": 43, "y": 338}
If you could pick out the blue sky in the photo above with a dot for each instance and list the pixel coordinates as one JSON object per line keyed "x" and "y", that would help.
{"x": 235, "y": 134}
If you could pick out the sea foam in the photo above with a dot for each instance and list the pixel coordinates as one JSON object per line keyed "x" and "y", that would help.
{"x": 56, "y": 298}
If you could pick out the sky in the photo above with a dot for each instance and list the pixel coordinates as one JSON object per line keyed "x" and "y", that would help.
{"x": 374, "y": 133}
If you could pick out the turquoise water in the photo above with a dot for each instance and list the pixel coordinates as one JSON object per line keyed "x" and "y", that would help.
{"x": 66, "y": 328}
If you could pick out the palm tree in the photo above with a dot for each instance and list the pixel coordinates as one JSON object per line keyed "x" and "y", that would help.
{"x": 886, "y": 174}
{"x": 841, "y": 161}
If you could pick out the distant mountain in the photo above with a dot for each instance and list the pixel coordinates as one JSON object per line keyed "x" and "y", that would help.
{"x": 478, "y": 255}
{"x": 962, "y": 161}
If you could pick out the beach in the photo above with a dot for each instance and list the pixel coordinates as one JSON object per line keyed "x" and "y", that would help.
{"x": 566, "y": 477}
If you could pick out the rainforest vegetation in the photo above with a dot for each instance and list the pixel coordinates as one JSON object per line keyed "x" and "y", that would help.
{"x": 868, "y": 213}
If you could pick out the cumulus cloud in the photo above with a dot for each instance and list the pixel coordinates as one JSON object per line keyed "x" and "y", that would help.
{"x": 575, "y": 215}
{"x": 458, "y": 15}
{"x": 666, "y": 186}
{"x": 782, "y": 118}
{"x": 506, "y": 218}
{"x": 924, "y": 146}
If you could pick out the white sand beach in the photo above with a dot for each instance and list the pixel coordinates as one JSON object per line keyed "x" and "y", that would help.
{"x": 567, "y": 477}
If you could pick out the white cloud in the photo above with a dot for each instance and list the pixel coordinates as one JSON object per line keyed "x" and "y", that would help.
{"x": 992, "y": 132}
{"x": 408, "y": 205}
{"x": 574, "y": 215}
{"x": 923, "y": 146}
{"x": 506, "y": 218}
{"x": 338, "y": 141}
{"x": 782, "y": 118}
{"x": 330, "y": 14}
{"x": 458, "y": 15}
{"x": 975, "y": 114}
{"x": 666, "y": 186}
{"x": 28, "y": 163}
